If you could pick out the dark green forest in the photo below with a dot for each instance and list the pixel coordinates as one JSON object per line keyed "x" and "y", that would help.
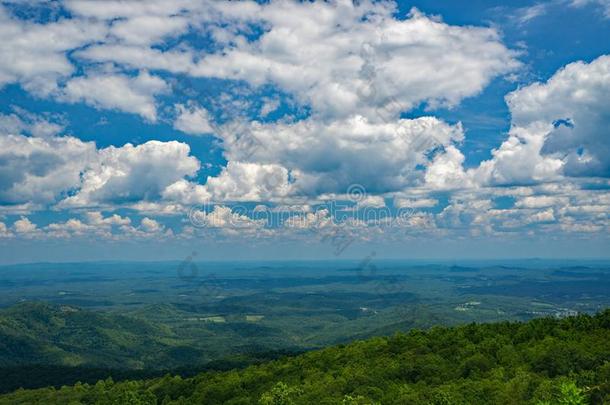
{"x": 542, "y": 361}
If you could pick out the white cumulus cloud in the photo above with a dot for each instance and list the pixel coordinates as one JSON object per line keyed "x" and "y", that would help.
{"x": 193, "y": 119}
{"x": 115, "y": 91}
{"x": 559, "y": 128}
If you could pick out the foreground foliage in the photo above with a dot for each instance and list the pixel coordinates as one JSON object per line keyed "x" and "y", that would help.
{"x": 543, "y": 361}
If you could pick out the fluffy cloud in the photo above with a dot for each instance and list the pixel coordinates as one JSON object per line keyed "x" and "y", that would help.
{"x": 340, "y": 58}
{"x": 41, "y": 170}
{"x": 139, "y": 57}
{"x": 224, "y": 217}
{"x": 147, "y": 29}
{"x": 400, "y": 202}
{"x": 465, "y": 212}
{"x": 347, "y": 57}
{"x": 368, "y": 67}
{"x": 112, "y": 91}
{"x": 22, "y": 121}
{"x": 328, "y": 158}
{"x": 35, "y": 54}
{"x": 542, "y": 216}
{"x": 446, "y": 170}
{"x": 193, "y": 119}
{"x": 73, "y": 228}
{"x": 372, "y": 201}
{"x": 114, "y": 9}
{"x": 558, "y": 128}
{"x": 519, "y": 161}
{"x": 540, "y": 201}
{"x": 4, "y": 232}
{"x": 25, "y": 227}
{"x": 417, "y": 222}
{"x": 352, "y": 67}
{"x": 548, "y": 209}
{"x": 150, "y": 225}
{"x": 185, "y": 192}
{"x": 249, "y": 182}
{"x": 133, "y": 173}
{"x": 92, "y": 225}
{"x": 320, "y": 219}
{"x": 539, "y": 209}
{"x": 573, "y": 104}
{"x": 355, "y": 64}
{"x": 71, "y": 172}
{"x": 132, "y": 28}
{"x": 96, "y": 218}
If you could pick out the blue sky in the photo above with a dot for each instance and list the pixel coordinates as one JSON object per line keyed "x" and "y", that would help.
{"x": 280, "y": 130}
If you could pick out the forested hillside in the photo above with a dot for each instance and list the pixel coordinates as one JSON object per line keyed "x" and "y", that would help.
{"x": 38, "y": 333}
{"x": 34, "y": 332}
{"x": 43, "y": 344}
{"x": 543, "y": 361}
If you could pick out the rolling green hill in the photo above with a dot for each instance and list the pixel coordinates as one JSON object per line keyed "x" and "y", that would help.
{"x": 543, "y": 361}
{"x": 45, "y": 344}
{"x": 36, "y": 333}
{"x": 48, "y": 334}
